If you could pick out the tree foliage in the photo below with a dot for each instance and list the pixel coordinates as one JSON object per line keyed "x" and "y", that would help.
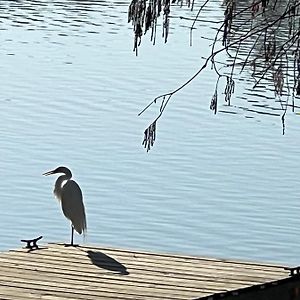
{"x": 267, "y": 30}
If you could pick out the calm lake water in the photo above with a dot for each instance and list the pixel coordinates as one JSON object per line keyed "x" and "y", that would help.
{"x": 224, "y": 185}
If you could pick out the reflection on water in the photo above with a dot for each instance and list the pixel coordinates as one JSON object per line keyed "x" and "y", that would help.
{"x": 71, "y": 89}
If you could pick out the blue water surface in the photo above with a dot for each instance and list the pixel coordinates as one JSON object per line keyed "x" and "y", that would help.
{"x": 224, "y": 185}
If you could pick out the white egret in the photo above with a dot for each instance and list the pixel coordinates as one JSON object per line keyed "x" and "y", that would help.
{"x": 68, "y": 192}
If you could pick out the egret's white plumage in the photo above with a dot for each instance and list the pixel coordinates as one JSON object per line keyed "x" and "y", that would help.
{"x": 68, "y": 192}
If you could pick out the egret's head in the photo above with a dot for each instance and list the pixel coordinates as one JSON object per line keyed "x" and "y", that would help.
{"x": 58, "y": 170}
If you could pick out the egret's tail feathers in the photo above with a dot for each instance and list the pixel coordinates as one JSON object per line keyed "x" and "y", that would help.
{"x": 80, "y": 227}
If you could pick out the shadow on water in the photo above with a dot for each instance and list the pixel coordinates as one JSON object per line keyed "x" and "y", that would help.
{"x": 104, "y": 261}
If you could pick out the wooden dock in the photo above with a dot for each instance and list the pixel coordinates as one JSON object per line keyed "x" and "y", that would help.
{"x": 86, "y": 272}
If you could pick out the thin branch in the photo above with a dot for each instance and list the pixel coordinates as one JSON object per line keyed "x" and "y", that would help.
{"x": 272, "y": 55}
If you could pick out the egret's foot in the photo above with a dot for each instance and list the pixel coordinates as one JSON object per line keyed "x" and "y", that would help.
{"x": 71, "y": 245}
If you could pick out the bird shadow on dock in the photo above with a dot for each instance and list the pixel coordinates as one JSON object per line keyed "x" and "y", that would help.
{"x": 104, "y": 261}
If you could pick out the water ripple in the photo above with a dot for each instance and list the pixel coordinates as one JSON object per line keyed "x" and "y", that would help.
{"x": 71, "y": 89}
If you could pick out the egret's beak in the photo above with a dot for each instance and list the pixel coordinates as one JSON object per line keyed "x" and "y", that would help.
{"x": 49, "y": 173}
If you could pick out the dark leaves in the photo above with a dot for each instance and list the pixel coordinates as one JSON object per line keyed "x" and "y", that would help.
{"x": 143, "y": 14}
{"x": 229, "y": 89}
{"x": 149, "y": 136}
{"x": 228, "y": 14}
{"x": 278, "y": 81}
{"x": 214, "y": 102}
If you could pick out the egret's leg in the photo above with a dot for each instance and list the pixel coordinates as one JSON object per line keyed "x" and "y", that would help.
{"x": 72, "y": 234}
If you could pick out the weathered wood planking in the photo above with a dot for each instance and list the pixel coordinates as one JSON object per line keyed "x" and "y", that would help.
{"x": 58, "y": 272}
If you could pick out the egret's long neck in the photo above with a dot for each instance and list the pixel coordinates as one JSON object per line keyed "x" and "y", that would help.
{"x": 59, "y": 183}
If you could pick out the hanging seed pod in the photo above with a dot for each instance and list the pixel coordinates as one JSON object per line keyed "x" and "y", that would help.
{"x": 298, "y": 88}
{"x": 149, "y": 136}
{"x": 254, "y": 8}
{"x": 166, "y": 19}
{"x": 214, "y": 101}
{"x": 148, "y": 18}
{"x": 228, "y": 20}
{"x": 144, "y": 14}
{"x": 229, "y": 89}
{"x": 158, "y": 7}
{"x": 278, "y": 80}
{"x": 137, "y": 37}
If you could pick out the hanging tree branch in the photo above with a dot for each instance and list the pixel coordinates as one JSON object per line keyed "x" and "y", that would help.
{"x": 273, "y": 57}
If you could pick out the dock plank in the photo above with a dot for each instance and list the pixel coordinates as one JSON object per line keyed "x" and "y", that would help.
{"x": 173, "y": 267}
{"x": 90, "y": 272}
